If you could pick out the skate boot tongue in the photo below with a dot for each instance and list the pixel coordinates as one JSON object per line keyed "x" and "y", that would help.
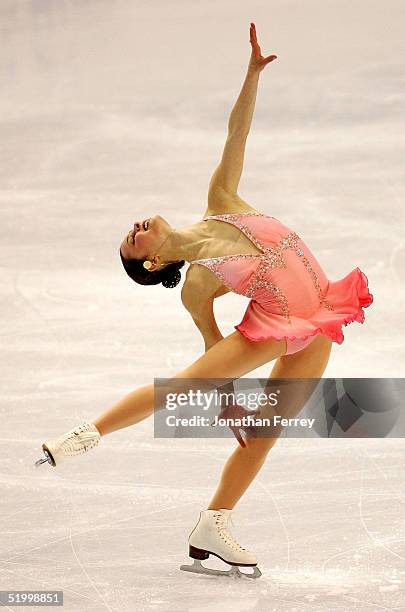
{"x": 227, "y": 514}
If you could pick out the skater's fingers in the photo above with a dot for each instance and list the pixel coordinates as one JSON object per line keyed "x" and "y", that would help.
{"x": 253, "y": 37}
{"x": 253, "y": 31}
{"x": 239, "y": 438}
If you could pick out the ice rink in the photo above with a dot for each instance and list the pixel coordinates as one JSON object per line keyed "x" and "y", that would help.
{"x": 115, "y": 111}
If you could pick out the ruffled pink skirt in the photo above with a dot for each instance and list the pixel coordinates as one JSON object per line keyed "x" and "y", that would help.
{"x": 348, "y": 296}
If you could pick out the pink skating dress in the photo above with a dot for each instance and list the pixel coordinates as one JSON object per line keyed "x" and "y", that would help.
{"x": 290, "y": 295}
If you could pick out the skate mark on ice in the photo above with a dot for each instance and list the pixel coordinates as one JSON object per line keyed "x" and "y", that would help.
{"x": 396, "y": 492}
{"x": 371, "y": 544}
{"x": 103, "y": 526}
{"x": 48, "y": 329}
{"x": 29, "y": 507}
{"x": 347, "y": 551}
{"x": 7, "y": 608}
{"x": 48, "y": 585}
{"x": 287, "y": 537}
{"x": 368, "y": 603}
{"x": 80, "y": 564}
{"x": 376, "y": 541}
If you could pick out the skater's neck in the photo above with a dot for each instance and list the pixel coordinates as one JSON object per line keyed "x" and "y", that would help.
{"x": 184, "y": 243}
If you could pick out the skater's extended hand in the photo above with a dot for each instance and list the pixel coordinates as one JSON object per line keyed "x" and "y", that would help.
{"x": 236, "y": 411}
{"x": 257, "y": 61}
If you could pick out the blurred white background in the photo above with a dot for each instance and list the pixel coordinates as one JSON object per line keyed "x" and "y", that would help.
{"x": 114, "y": 111}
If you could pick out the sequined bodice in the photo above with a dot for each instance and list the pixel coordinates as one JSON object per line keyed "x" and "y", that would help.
{"x": 271, "y": 257}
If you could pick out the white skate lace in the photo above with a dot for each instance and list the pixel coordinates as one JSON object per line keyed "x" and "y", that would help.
{"x": 79, "y": 440}
{"x": 222, "y": 522}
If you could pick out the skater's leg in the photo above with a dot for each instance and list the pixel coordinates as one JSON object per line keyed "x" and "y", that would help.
{"x": 244, "y": 463}
{"x": 232, "y": 357}
{"x": 132, "y": 408}
{"x": 239, "y": 471}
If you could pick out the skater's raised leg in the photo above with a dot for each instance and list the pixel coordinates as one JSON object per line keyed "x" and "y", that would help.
{"x": 129, "y": 410}
{"x": 231, "y": 357}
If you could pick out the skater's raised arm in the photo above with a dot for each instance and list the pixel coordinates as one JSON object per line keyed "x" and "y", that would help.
{"x": 225, "y": 180}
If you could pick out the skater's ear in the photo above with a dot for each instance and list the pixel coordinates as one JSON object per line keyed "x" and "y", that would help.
{"x": 169, "y": 276}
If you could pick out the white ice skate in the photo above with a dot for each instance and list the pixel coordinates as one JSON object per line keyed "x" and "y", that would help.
{"x": 211, "y": 536}
{"x": 74, "y": 442}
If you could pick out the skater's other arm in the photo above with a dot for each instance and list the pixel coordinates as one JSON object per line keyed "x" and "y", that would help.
{"x": 207, "y": 325}
{"x": 201, "y": 309}
{"x": 225, "y": 180}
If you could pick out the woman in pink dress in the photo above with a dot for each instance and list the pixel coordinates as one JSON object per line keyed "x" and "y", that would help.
{"x": 293, "y": 317}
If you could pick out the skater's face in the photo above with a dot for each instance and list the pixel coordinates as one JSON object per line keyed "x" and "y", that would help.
{"x": 144, "y": 238}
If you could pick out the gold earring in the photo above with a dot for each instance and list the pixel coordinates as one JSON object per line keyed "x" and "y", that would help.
{"x": 147, "y": 264}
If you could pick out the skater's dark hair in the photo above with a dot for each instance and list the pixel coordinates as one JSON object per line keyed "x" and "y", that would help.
{"x": 169, "y": 276}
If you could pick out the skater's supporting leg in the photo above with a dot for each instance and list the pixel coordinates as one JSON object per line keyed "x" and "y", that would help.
{"x": 232, "y": 357}
{"x": 244, "y": 463}
{"x": 239, "y": 471}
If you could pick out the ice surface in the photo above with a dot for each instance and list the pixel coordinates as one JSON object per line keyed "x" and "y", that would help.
{"x": 113, "y": 111}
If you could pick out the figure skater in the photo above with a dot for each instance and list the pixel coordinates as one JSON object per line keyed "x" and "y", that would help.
{"x": 294, "y": 315}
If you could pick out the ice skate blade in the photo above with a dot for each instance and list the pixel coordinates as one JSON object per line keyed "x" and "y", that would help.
{"x": 198, "y": 568}
{"x": 47, "y": 458}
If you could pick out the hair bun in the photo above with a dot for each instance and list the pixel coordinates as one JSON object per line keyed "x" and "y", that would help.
{"x": 171, "y": 281}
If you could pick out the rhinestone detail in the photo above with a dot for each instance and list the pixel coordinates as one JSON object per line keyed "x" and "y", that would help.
{"x": 271, "y": 257}
{"x": 234, "y": 219}
{"x": 278, "y": 295}
{"x": 322, "y": 299}
{"x": 213, "y": 264}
